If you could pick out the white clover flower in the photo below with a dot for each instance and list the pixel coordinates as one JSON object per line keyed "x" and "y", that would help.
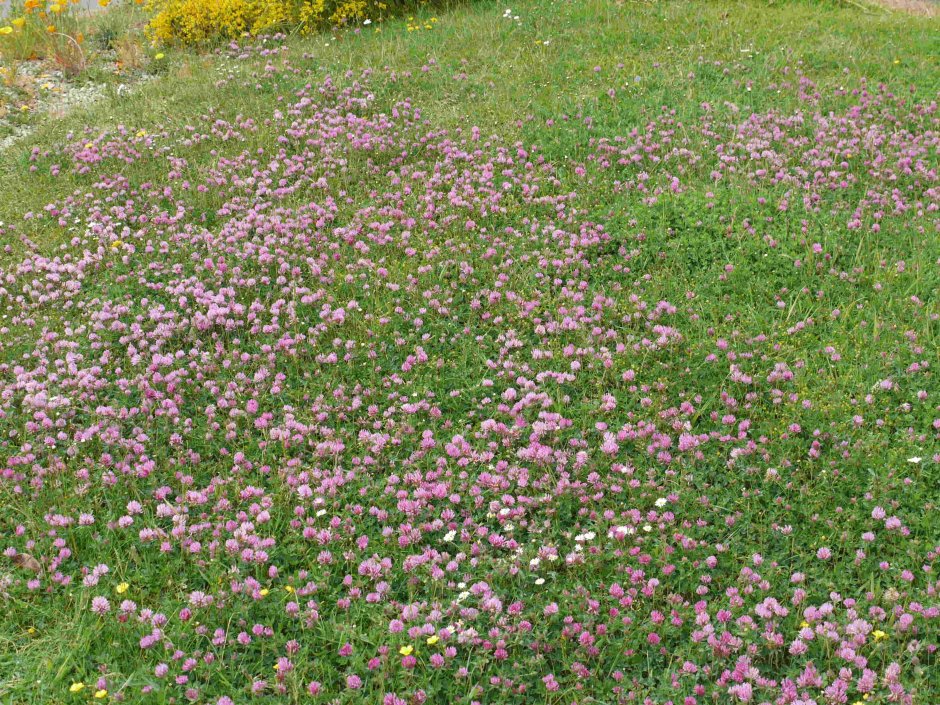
{"x": 661, "y": 502}
{"x": 620, "y": 532}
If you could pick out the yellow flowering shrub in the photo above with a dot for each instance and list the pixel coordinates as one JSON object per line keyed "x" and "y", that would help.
{"x": 199, "y": 21}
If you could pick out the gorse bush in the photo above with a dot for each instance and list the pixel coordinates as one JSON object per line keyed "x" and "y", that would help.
{"x": 37, "y": 28}
{"x": 198, "y": 21}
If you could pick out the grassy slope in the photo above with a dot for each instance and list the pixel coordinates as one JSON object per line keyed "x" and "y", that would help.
{"x": 512, "y": 74}
{"x": 514, "y": 82}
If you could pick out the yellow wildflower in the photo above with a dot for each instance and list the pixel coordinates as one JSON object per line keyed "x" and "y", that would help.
{"x": 406, "y": 650}
{"x": 76, "y": 687}
{"x": 879, "y": 635}
{"x": 101, "y": 694}
{"x": 433, "y": 639}
{"x": 122, "y": 587}
{"x": 264, "y": 592}
{"x": 6, "y": 30}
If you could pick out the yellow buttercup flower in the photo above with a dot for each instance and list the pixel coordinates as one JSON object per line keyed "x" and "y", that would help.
{"x": 6, "y": 30}
{"x": 289, "y": 588}
{"x": 76, "y": 687}
{"x": 406, "y": 650}
{"x": 18, "y": 22}
{"x": 264, "y": 592}
{"x": 101, "y": 694}
{"x": 159, "y": 56}
{"x": 122, "y": 587}
{"x": 432, "y": 640}
{"x": 879, "y": 635}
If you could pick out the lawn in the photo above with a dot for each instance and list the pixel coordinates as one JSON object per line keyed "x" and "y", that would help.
{"x": 570, "y": 352}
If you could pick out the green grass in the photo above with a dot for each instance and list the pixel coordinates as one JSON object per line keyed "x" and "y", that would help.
{"x": 508, "y": 78}
{"x": 511, "y": 74}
